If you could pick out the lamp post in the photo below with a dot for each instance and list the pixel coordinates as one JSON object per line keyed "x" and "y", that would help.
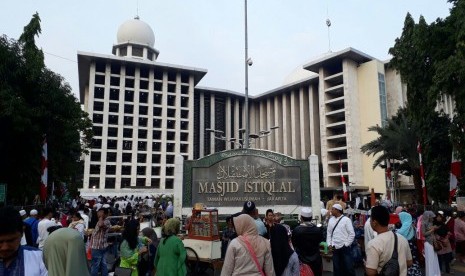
{"x": 247, "y": 63}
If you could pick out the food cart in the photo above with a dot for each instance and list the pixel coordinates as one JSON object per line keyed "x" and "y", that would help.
{"x": 202, "y": 243}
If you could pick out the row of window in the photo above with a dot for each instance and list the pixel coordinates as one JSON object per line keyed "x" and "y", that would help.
{"x": 126, "y": 170}
{"x": 110, "y": 183}
{"x": 142, "y": 121}
{"x": 143, "y": 110}
{"x": 141, "y": 133}
{"x": 99, "y": 93}
{"x": 144, "y": 71}
{"x": 141, "y": 145}
{"x": 143, "y": 84}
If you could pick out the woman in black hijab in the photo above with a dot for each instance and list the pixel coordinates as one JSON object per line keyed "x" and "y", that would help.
{"x": 285, "y": 260}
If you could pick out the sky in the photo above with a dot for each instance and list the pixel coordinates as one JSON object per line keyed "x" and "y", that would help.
{"x": 282, "y": 34}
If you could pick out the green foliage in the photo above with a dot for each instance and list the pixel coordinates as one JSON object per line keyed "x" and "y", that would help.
{"x": 35, "y": 101}
{"x": 431, "y": 61}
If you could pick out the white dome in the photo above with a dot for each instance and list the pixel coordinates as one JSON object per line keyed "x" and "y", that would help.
{"x": 136, "y": 31}
{"x": 297, "y": 74}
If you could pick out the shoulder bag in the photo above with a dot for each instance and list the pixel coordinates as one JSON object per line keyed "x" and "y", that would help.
{"x": 252, "y": 254}
{"x": 392, "y": 268}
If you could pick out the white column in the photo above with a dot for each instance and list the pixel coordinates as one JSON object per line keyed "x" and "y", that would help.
{"x": 177, "y": 191}
{"x": 202, "y": 126}
{"x": 315, "y": 186}
{"x": 212, "y": 123}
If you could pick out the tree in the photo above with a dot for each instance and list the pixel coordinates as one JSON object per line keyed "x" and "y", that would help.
{"x": 35, "y": 101}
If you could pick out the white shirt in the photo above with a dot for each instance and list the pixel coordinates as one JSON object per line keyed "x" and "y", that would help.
{"x": 368, "y": 232}
{"x": 85, "y": 218}
{"x": 343, "y": 233}
{"x": 33, "y": 263}
{"x": 42, "y": 227}
{"x": 380, "y": 249}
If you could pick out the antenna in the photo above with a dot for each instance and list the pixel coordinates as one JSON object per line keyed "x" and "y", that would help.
{"x": 328, "y": 23}
{"x": 137, "y": 9}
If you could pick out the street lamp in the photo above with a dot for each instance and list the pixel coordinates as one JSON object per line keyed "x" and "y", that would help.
{"x": 261, "y": 134}
{"x": 223, "y": 138}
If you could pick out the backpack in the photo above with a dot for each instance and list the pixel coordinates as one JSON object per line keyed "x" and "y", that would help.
{"x": 392, "y": 268}
{"x": 305, "y": 269}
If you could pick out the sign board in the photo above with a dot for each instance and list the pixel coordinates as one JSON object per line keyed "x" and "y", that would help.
{"x": 230, "y": 178}
{"x": 2, "y": 192}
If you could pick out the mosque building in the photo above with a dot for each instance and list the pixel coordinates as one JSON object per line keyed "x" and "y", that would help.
{"x": 145, "y": 113}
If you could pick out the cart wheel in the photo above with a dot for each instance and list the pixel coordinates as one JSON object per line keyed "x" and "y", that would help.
{"x": 192, "y": 262}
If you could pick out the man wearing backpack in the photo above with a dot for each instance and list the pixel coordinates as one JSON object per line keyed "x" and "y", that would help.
{"x": 381, "y": 254}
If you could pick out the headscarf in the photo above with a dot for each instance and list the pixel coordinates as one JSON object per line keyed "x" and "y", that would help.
{"x": 150, "y": 233}
{"x": 406, "y": 229}
{"x": 280, "y": 248}
{"x": 425, "y": 221}
{"x": 171, "y": 227}
{"x": 65, "y": 254}
{"x": 245, "y": 226}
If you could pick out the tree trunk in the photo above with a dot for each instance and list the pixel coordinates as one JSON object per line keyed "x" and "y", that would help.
{"x": 417, "y": 184}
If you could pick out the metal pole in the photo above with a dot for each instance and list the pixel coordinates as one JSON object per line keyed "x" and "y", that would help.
{"x": 247, "y": 131}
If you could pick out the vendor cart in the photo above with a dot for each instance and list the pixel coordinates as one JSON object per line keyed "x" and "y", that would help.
{"x": 202, "y": 243}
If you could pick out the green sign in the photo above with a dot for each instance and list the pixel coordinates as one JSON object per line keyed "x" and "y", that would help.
{"x": 2, "y": 192}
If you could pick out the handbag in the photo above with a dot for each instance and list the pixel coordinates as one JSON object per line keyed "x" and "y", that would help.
{"x": 252, "y": 253}
{"x": 392, "y": 267}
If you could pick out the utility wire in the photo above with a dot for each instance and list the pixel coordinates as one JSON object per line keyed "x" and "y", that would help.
{"x": 60, "y": 57}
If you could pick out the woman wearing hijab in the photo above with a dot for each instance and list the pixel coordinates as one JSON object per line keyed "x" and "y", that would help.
{"x": 285, "y": 260}
{"x": 145, "y": 265}
{"x": 65, "y": 254}
{"x": 170, "y": 259}
{"x": 408, "y": 232}
{"x": 249, "y": 253}
{"x": 431, "y": 258}
{"x": 132, "y": 246}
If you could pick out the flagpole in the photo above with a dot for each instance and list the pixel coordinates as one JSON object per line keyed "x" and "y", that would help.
{"x": 344, "y": 186}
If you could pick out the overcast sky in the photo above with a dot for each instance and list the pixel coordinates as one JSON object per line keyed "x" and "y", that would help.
{"x": 209, "y": 34}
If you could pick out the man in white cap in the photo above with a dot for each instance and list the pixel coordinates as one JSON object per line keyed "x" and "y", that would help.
{"x": 22, "y": 213}
{"x": 306, "y": 240}
{"x": 340, "y": 235}
{"x": 32, "y": 224}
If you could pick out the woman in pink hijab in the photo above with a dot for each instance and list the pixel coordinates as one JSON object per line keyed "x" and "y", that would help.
{"x": 249, "y": 253}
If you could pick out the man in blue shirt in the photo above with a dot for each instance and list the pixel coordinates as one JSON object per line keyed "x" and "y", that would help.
{"x": 250, "y": 209}
{"x": 33, "y": 222}
{"x": 15, "y": 259}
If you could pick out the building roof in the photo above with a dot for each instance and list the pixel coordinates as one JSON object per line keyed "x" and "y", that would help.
{"x": 85, "y": 59}
{"x": 336, "y": 58}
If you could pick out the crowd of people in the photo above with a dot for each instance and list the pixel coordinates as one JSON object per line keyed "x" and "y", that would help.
{"x": 382, "y": 241}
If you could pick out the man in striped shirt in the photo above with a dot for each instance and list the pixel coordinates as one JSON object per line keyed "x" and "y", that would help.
{"x": 99, "y": 244}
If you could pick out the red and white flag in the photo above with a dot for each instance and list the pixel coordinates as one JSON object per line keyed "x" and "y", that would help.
{"x": 388, "y": 179}
{"x": 344, "y": 185}
{"x": 422, "y": 174}
{"x": 44, "y": 172}
{"x": 455, "y": 174}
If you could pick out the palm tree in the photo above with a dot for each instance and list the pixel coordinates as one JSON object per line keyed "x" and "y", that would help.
{"x": 397, "y": 141}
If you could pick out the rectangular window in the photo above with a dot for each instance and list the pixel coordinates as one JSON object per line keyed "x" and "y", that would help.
{"x": 157, "y": 86}
{"x": 144, "y": 72}
{"x": 184, "y": 78}
{"x": 170, "y": 147}
{"x": 115, "y": 68}
{"x": 143, "y": 110}
{"x": 155, "y": 183}
{"x": 184, "y": 136}
{"x": 99, "y": 92}
{"x": 171, "y": 100}
{"x": 157, "y": 111}
{"x": 130, "y": 70}
{"x": 144, "y": 85}
{"x": 184, "y": 125}
{"x": 129, "y": 83}
{"x": 98, "y": 106}
{"x": 156, "y": 134}
{"x": 125, "y": 182}
{"x": 169, "y": 183}
{"x": 94, "y": 182}
{"x": 141, "y": 157}
{"x": 127, "y": 132}
{"x": 111, "y": 169}
{"x": 157, "y": 123}
{"x": 114, "y": 81}
{"x": 113, "y": 119}
{"x": 158, "y": 75}
{"x": 97, "y": 130}
{"x": 140, "y": 182}
{"x": 129, "y": 96}
{"x": 155, "y": 159}
{"x": 156, "y": 171}
{"x": 169, "y": 159}
{"x": 137, "y": 51}
{"x": 110, "y": 183}
{"x": 171, "y": 112}
{"x": 126, "y": 170}
{"x": 184, "y": 90}
{"x": 114, "y": 94}
{"x": 128, "y": 108}
{"x": 184, "y": 102}
{"x": 112, "y": 144}
{"x": 127, "y": 145}
{"x": 142, "y": 134}
{"x": 171, "y": 76}
{"x": 96, "y": 143}
{"x": 140, "y": 170}
{"x": 170, "y": 135}
{"x": 127, "y": 121}
{"x": 127, "y": 157}
{"x": 95, "y": 156}
{"x": 100, "y": 79}
{"x": 143, "y": 122}
{"x": 184, "y": 148}
{"x": 185, "y": 114}
{"x": 111, "y": 156}
{"x": 100, "y": 67}
{"x": 382, "y": 99}
{"x": 97, "y": 118}
{"x": 112, "y": 132}
{"x": 142, "y": 145}
{"x": 170, "y": 124}
{"x": 171, "y": 88}
{"x": 170, "y": 171}
{"x": 156, "y": 146}
{"x": 94, "y": 169}
{"x": 113, "y": 107}
{"x": 157, "y": 98}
